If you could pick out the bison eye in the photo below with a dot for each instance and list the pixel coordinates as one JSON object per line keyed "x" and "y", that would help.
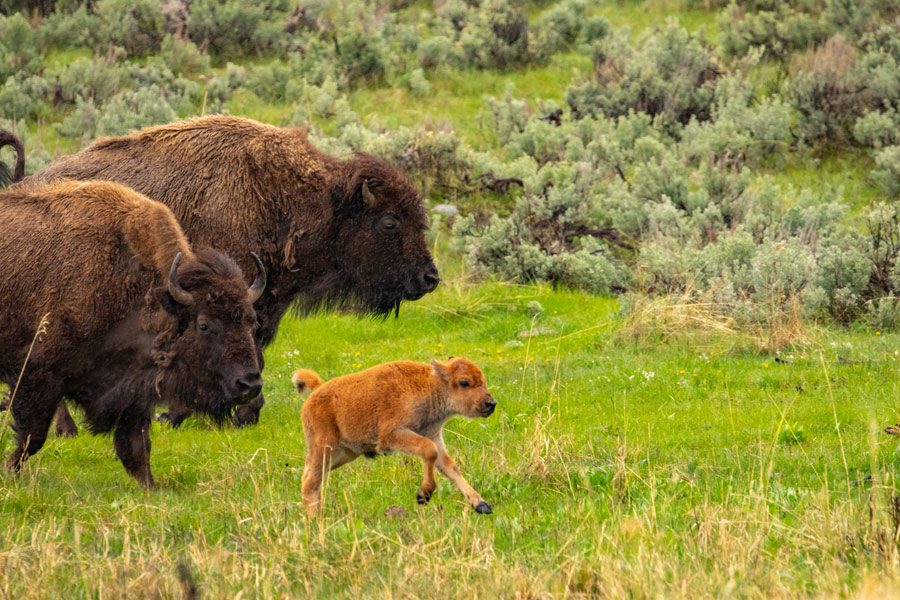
{"x": 203, "y": 326}
{"x": 389, "y": 224}
{"x": 463, "y": 384}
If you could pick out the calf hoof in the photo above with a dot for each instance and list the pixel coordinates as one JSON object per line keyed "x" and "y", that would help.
{"x": 422, "y": 497}
{"x": 483, "y": 508}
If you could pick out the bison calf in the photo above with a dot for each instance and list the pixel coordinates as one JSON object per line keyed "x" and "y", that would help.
{"x": 398, "y": 406}
{"x": 135, "y": 317}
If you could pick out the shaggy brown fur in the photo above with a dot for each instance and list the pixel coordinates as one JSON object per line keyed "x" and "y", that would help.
{"x": 95, "y": 257}
{"x": 398, "y": 406}
{"x": 6, "y": 178}
{"x": 242, "y": 187}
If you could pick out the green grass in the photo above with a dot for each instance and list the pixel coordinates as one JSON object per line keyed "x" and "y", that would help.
{"x": 615, "y": 467}
{"x": 693, "y": 466}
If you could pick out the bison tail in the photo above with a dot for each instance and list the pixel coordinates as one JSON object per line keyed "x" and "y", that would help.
{"x": 306, "y": 379}
{"x": 10, "y": 139}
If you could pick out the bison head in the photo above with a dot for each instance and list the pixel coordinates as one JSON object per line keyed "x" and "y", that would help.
{"x": 213, "y": 322}
{"x": 379, "y": 228}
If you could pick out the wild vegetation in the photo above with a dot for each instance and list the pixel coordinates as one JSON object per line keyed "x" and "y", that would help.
{"x": 675, "y": 259}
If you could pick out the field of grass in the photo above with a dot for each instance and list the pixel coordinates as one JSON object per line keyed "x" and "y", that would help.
{"x": 620, "y": 462}
{"x": 690, "y": 466}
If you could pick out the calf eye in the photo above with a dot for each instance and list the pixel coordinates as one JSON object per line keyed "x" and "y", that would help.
{"x": 463, "y": 384}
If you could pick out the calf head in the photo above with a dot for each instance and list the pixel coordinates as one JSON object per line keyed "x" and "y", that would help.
{"x": 379, "y": 226}
{"x": 467, "y": 392}
{"x": 212, "y": 322}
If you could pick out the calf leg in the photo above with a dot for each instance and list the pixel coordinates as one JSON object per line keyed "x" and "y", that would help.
{"x": 32, "y": 410}
{"x": 132, "y": 443}
{"x": 65, "y": 425}
{"x": 449, "y": 469}
{"x": 404, "y": 440}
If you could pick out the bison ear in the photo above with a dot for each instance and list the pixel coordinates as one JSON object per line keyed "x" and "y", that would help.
{"x": 440, "y": 370}
{"x": 352, "y": 196}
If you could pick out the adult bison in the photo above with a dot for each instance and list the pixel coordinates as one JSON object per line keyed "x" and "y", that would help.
{"x": 330, "y": 232}
{"x": 133, "y": 316}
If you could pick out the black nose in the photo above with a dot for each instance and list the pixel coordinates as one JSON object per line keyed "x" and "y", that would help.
{"x": 249, "y": 386}
{"x": 489, "y": 406}
{"x": 430, "y": 278}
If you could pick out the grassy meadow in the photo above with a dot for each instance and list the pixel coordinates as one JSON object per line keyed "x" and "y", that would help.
{"x": 619, "y": 463}
{"x": 650, "y": 453}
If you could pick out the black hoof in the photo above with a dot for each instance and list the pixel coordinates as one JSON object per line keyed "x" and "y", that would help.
{"x": 422, "y": 498}
{"x": 483, "y": 508}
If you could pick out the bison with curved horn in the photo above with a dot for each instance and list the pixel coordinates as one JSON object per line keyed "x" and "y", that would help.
{"x": 330, "y": 232}
{"x": 134, "y": 316}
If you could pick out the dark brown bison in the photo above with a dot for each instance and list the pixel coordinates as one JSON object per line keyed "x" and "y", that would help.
{"x": 133, "y": 316}
{"x": 347, "y": 233}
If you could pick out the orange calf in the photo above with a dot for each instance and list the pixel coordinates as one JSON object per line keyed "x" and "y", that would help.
{"x": 398, "y": 406}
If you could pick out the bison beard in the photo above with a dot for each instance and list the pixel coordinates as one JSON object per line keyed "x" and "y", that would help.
{"x": 331, "y": 233}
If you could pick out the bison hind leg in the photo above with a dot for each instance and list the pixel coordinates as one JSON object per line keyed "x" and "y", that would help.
{"x": 132, "y": 442}
{"x": 65, "y": 425}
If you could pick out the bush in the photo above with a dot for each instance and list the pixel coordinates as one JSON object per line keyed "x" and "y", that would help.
{"x": 81, "y": 123}
{"x": 669, "y": 75}
{"x": 135, "y": 25}
{"x": 273, "y": 83}
{"x": 182, "y": 56}
{"x": 779, "y": 31}
{"x": 221, "y": 88}
{"x": 489, "y": 34}
{"x": 878, "y": 129}
{"x": 826, "y": 92}
{"x": 76, "y": 30}
{"x": 887, "y": 172}
{"x": 18, "y": 47}
{"x": 88, "y": 79}
{"x": 418, "y": 84}
{"x": 133, "y": 110}
{"x": 23, "y": 99}
{"x": 236, "y": 27}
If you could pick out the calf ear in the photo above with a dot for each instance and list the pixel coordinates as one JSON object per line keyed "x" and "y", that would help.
{"x": 440, "y": 370}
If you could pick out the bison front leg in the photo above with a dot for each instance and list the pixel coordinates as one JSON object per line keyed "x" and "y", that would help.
{"x": 32, "y": 409}
{"x": 449, "y": 469}
{"x": 132, "y": 443}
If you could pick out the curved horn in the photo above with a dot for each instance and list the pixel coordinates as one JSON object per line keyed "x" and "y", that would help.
{"x": 256, "y": 289}
{"x": 9, "y": 139}
{"x": 179, "y": 293}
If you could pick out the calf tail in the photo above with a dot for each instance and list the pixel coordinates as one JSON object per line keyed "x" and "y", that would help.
{"x": 10, "y": 139}
{"x": 306, "y": 379}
